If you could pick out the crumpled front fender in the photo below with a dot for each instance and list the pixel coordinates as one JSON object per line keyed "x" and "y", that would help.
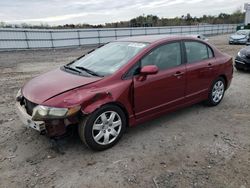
{"x": 96, "y": 102}
{"x": 91, "y": 98}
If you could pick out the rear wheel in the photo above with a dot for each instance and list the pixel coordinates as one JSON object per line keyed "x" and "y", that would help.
{"x": 216, "y": 92}
{"x": 103, "y": 128}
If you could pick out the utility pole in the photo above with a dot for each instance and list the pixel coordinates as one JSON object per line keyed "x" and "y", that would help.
{"x": 247, "y": 15}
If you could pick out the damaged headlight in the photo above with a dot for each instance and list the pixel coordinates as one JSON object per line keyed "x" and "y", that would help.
{"x": 41, "y": 112}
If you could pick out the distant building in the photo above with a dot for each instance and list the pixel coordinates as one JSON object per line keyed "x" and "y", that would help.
{"x": 247, "y": 16}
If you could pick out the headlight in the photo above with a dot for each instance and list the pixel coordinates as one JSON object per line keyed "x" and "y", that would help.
{"x": 44, "y": 112}
{"x": 243, "y": 39}
{"x": 240, "y": 54}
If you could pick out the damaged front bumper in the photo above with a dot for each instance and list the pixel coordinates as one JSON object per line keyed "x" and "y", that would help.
{"x": 27, "y": 119}
{"x": 51, "y": 126}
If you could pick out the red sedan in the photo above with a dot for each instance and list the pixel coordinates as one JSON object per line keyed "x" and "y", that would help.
{"x": 122, "y": 84}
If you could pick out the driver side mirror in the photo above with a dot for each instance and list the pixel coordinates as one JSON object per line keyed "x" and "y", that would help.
{"x": 149, "y": 70}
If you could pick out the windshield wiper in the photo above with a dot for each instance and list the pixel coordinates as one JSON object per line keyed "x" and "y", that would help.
{"x": 71, "y": 68}
{"x": 89, "y": 71}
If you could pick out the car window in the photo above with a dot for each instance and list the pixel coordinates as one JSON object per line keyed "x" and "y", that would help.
{"x": 242, "y": 32}
{"x": 196, "y": 51}
{"x": 210, "y": 52}
{"x": 133, "y": 71}
{"x": 165, "y": 56}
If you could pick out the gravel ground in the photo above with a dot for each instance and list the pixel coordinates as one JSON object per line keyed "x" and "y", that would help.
{"x": 194, "y": 147}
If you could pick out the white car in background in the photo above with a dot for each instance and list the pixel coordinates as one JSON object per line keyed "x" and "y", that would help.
{"x": 240, "y": 37}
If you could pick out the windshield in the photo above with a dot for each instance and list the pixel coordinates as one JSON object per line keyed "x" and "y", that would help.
{"x": 109, "y": 58}
{"x": 242, "y": 32}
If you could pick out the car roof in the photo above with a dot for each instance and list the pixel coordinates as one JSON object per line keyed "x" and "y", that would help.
{"x": 195, "y": 35}
{"x": 154, "y": 38}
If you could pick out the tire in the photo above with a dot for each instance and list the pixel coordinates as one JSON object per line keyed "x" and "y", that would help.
{"x": 103, "y": 128}
{"x": 216, "y": 92}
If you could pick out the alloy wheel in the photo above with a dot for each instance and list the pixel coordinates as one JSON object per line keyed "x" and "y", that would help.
{"x": 106, "y": 127}
{"x": 218, "y": 91}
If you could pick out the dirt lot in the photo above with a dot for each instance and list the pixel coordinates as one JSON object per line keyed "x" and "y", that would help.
{"x": 194, "y": 147}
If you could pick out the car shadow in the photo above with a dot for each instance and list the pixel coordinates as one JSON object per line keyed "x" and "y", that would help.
{"x": 72, "y": 140}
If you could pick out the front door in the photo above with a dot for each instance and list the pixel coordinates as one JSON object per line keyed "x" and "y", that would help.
{"x": 166, "y": 89}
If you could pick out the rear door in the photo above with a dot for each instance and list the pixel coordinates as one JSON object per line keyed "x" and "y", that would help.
{"x": 200, "y": 64}
{"x": 165, "y": 89}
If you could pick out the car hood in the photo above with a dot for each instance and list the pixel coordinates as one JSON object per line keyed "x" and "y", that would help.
{"x": 53, "y": 83}
{"x": 238, "y": 36}
{"x": 246, "y": 51}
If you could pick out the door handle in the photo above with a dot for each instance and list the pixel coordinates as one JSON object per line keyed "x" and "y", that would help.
{"x": 210, "y": 66}
{"x": 178, "y": 74}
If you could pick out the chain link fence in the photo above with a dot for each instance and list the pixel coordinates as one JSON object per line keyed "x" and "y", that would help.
{"x": 13, "y": 39}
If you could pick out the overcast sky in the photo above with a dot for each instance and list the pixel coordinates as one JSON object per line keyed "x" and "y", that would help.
{"x": 103, "y": 11}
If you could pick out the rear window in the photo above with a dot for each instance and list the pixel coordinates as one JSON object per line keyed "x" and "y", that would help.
{"x": 197, "y": 51}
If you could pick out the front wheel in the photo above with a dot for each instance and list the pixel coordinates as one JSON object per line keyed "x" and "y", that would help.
{"x": 216, "y": 92}
{"x": 103, "y": 128}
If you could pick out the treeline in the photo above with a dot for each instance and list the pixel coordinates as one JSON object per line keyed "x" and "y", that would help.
{"x": 236, "y": 17}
